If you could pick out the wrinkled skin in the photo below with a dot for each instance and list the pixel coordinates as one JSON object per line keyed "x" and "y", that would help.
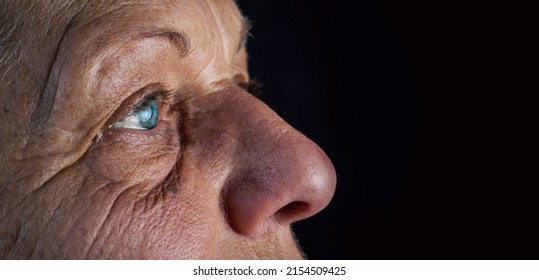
{"x": 220, "y": 177}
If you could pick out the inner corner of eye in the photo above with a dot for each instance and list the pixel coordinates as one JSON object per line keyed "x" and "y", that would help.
{"x": 143, "y": 117}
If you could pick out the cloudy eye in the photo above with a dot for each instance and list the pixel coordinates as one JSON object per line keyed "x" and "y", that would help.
{"x": 143, "y": 117}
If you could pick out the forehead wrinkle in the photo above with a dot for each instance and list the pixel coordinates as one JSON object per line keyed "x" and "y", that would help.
{"x": 122, "y": 22}
{"x": 177, "y": 38}
{"x": 113, "y": 46}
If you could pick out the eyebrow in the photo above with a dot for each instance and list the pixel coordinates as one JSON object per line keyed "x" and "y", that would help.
{"x": 179, "y": 39}
{"x": 245, "y": 32}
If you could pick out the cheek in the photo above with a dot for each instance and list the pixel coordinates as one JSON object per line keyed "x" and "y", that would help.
{"x": 154, "y": 203}
{"x": 108, "y": 209}
{"x": 160, "y": 226}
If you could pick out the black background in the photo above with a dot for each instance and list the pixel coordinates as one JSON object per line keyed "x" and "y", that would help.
{"x": 415, "y": 105}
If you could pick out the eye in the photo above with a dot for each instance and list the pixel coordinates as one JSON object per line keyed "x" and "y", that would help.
{"x": 252, "y": 87}
{"x": 143, "y": 117}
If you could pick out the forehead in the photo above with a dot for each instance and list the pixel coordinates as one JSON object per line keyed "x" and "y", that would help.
{"x": 98, "y": 25}
{"x": 144, "y": 8}
{"x": 180, "y": 13}
{"x": 100, "y": 43}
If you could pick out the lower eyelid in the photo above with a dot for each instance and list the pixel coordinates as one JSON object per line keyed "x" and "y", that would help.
{"x": 163, "y": 132}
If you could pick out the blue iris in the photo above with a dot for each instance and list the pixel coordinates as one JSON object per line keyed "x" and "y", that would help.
{"x": 145, "y": 116}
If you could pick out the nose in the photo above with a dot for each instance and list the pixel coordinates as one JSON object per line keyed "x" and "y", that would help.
{"x": 281, "y": 176}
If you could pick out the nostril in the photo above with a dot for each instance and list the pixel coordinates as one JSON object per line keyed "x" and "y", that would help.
{"x": 292, "y": 211}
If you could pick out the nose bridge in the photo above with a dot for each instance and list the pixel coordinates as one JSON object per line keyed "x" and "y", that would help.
{"x": 279, "y": 176}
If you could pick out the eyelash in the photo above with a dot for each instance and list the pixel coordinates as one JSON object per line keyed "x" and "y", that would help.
{"x": 253, "y": 87}
{"x": 163, "y": 98}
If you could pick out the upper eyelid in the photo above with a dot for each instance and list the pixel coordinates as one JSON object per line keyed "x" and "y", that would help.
{"x": 153, "y": 95}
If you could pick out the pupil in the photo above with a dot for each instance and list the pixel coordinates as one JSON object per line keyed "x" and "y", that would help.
{"x": 145, "y": 114}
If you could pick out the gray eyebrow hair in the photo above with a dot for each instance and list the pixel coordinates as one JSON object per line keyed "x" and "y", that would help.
{"x": 179, "y": 39}
{"x": 245, "y": 32}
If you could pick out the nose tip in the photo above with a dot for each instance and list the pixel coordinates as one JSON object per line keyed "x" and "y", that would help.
{"x": 293, "y": 181}
{"x": 312, "y": 187}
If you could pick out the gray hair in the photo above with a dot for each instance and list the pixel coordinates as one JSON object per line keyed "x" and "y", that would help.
{"x": 23, "y": 25}
{"x": 12, "y": 24}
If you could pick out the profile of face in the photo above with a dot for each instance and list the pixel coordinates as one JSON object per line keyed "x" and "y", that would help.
{"x": 128, "y": 132}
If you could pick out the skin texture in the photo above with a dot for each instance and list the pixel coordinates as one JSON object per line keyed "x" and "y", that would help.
{"x": 220, "y": 177}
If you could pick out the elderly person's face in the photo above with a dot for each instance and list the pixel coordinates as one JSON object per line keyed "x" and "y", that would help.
{"x": 127, "y": 132}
